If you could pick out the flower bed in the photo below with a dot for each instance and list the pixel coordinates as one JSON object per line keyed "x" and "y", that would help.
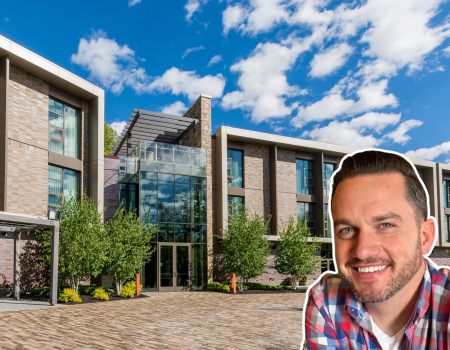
{"x": 87, "y": 294}
{"x": 252, "y": 288}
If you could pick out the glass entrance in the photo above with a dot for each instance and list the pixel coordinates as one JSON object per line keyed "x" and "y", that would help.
{"x": 174, "y": 267}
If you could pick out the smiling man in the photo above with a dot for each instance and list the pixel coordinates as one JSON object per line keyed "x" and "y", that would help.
{"x": 386, "y": 295}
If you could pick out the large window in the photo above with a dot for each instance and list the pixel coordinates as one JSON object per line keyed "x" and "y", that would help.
{"x": 234, "y": 203}
{"x": 327, "y": 172}
{"x": 305, "y": 176}
{"x": 63, "y": 129}
{"x": 447, "y": 227}
{"x": 326, "y": 252}
{"x": 326, "y": 222}
{"x": 177, "y": 203}
{"x": 305, "y": 211}
{"x": 61, "y": 182}
{"x": 446, "y": 193}
{"x": 234, "y": 168}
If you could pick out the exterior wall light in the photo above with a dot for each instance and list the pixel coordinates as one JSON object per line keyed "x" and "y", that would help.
{"x": 53, "y": 214}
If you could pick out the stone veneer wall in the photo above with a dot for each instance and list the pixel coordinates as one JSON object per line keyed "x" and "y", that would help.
{"x": 111, "y": 186}
{"x": 27, "y": 191}
{"x": 286, "y": 185}
{"x": 200, "y": 136}
{"x": 257, "y": 178}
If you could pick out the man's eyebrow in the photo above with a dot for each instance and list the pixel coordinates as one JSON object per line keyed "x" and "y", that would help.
{"x": 387, "y": 216}
{"x": 342, "y": 222}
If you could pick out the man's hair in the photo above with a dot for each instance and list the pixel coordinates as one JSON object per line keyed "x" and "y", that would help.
{"x": 378, "y": 162}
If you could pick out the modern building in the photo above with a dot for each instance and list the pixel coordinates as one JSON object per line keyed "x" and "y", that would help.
{"x": 51, "y": 143}
{"x": 154, "y": 171}
{"x": 161, "y": 167}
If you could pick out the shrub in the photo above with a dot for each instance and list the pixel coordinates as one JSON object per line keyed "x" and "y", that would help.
{"x": 87, "y": 289}
{"x": 69, "y": 295}
{"x": 41, "y": 291}
{"x": 129, "y": 290}
{"x": 100, "y": 294}
{"x": 221, "y": 287}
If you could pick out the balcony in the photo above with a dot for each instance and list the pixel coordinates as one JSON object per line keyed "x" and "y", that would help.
{"x": 168, "y": 158}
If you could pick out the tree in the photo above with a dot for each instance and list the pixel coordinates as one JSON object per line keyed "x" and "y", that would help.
{"x": 111, "y": 138}
{"x": 127, "y": 245}
{"x": 81, "y": 241}
{"x": 295, "y": 257}
{"x": 245, "y": 247}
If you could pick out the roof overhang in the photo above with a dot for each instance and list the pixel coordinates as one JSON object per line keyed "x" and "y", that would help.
{"x": 152, "y": 126}
{"x": 48, "y": 71}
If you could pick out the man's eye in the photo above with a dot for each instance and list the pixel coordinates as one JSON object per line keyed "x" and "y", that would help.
{"x": 386, "y": 225}
{"x": 347, "y": 230}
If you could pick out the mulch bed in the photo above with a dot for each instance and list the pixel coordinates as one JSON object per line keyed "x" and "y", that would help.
{"x": 264, "y": 291}
{"x": 84, "y": 298}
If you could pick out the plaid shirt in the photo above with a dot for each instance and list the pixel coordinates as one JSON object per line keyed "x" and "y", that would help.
{"x": 335, "y": 319}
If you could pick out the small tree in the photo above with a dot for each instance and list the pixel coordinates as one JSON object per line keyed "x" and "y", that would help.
{"x": 295, "y": 257}
{"x": 127, "y": 245}
{"x": 111, "y": 138}
{"x": 81, "y": 241}
{"x": 245, "y": 247}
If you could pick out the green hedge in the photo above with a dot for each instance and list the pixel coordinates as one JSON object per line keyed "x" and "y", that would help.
{"x": 247, "y": 286}
{"x": 82, "y": 290}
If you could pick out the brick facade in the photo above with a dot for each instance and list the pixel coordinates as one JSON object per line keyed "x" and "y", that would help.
{"x": 286, "y": 185}
{"x": 111, "y": 186}
{"x": 257, "y": 178}
{"x": 27, "y": 144}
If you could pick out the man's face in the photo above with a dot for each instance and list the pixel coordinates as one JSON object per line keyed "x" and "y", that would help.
{"x": 377, "y": 240}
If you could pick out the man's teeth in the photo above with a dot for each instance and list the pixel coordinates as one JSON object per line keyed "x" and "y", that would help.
{"x": 371, "y": 269}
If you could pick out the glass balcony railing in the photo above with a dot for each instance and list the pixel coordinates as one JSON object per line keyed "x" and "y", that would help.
{"x": 174, "y": 159}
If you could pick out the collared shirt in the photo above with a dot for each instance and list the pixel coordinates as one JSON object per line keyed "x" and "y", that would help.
{"x": 335, "y": 319}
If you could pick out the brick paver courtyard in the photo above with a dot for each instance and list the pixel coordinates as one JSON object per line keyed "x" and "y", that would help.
{"x": 191, "y": 320}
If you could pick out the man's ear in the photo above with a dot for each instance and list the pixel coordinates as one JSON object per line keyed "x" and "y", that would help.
{"x": 428, "y": 233}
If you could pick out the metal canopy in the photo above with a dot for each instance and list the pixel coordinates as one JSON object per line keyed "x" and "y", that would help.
{"x": 12, "y": 225}
{"x": 152, "y": 126}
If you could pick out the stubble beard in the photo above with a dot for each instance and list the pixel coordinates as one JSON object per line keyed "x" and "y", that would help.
{"x": 404, "y": 274}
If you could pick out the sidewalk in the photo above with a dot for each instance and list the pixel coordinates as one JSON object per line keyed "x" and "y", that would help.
{"x": 8, "y": 304}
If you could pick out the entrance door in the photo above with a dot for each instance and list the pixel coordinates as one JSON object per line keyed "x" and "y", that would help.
{"x": 174, "y": 267}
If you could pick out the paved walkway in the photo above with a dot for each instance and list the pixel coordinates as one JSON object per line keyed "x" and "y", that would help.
{"x": 192, "y": 320}
{"x": 8, "y": 304}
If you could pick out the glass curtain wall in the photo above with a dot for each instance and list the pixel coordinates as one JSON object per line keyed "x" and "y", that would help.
{"x": 177, "y": 204}
{"x": 327, "y": 222}
{"x": 446, "y": 185}
{"x": 234, "y": 203}
{"x": 64, "y": 129}
{"x": 305, "y": 176}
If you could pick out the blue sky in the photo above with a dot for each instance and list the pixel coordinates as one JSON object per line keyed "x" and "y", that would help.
{"x": 360, "y": 74}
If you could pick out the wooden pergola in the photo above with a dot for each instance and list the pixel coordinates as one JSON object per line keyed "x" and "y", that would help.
{"x": 11, "y": 227}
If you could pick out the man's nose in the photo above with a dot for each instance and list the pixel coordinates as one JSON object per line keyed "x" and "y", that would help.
{"x": 366, "y": 244}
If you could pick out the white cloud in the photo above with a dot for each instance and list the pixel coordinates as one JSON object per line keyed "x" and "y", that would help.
{"x": 214, "y": 59}
{"x": 446, "y": 51}
{"x": 351, "y": 133}
{"x": 111, "y": 64}
{"x": 430, "y": 153}
{"x": 176, "y": 108}
{"x": 118, "y": 126}
{"x": 133, "y": 2}
{"x": 192, "y": 6}
{"x": 398, "y": 135}
{"x": 115, "y": 67}
{"x": 187, "y": 83}
{"x": 333, "y": 104}
{"x": 232, "y": 17}
{"x": 192, "y": 49}
{"x": 6, "y": 19}
{"x": 328, "y": 61}
{"x": 262, "y": 82}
